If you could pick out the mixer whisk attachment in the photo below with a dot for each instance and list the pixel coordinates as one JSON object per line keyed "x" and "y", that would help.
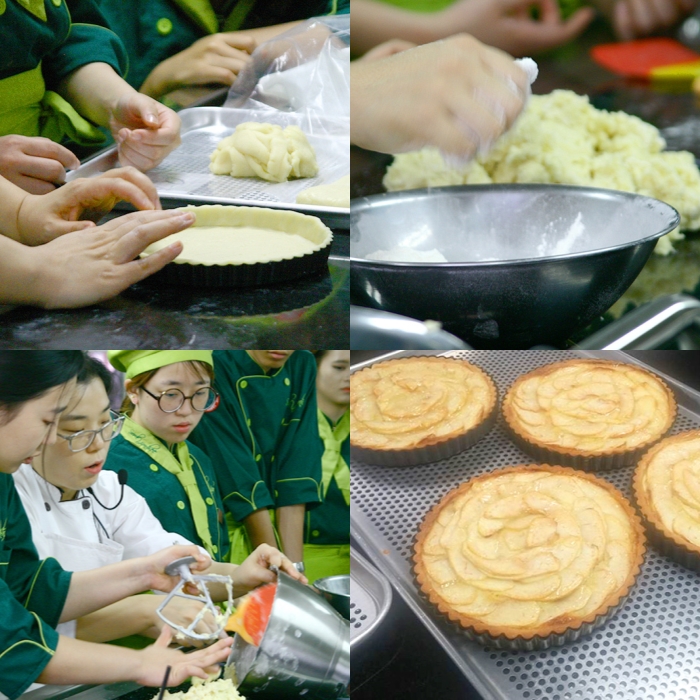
{"x": 181, "y": 567}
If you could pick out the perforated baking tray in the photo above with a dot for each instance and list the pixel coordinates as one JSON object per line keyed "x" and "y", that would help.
{"x": 648, "y": 650}
{"x": 184, "y": 177}
{"x": 370, "y": 598}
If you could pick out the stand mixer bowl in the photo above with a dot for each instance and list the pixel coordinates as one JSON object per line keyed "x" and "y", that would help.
{"x": 304, "y": 652}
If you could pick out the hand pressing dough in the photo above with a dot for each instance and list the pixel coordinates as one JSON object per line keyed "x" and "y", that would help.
{"x": 266, "y": 151}
{"x": 334, "y": 194}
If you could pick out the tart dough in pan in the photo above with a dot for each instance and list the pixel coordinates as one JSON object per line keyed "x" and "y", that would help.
{"x": 246, "y": 246}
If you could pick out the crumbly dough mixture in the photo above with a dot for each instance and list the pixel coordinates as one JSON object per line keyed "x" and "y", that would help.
{"x": 561, "y": 138}
{"x": 208, "y": 690}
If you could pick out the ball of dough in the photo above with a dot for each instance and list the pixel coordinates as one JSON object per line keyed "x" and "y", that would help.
{"x": 266, "y": 151}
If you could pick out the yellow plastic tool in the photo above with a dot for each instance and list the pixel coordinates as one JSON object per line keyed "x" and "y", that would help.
{"x": 677, "y": 72}
{"x": 235, "y": 622}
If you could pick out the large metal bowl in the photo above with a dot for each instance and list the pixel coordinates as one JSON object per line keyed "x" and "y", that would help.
{"x": 336, "y": 590}
{"x": 304, "y": 652}
{"x": 505, "y": 294}
{"x": 371, "y": 329}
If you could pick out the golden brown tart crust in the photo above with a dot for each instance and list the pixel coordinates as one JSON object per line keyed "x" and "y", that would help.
{"x": 588, "y": 413}
{"x": 666, "y": 487}
{"x": 616, "y": 566}
{"x": 415, "y": 410}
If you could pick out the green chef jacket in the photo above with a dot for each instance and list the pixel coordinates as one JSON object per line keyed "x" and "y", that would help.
{"x": 165, "y": 495}
{"x": 330, "y": 522}
{"x": 32, "y": 595}
{"x": 263, "y": 437}
{"x": 155, "y": 30}
{"x": 42, "y": 42}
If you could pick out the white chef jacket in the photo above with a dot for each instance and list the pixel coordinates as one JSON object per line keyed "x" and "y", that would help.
{"x": 83, "y": 535}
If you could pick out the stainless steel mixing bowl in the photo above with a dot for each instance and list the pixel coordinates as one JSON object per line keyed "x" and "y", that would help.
{"x": 504, "y": 286}
{"x": 304, "y": 652}
{"x": 371, "y": 329}
{"x": 336, "y": 590}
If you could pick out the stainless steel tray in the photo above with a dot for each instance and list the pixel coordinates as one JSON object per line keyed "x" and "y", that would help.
{"x": 370, "y": 598}
{"x": 184, "y": 177}
{"x": 648, "y": 651}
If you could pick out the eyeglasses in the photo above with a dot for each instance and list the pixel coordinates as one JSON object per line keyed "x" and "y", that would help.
{"x": 203, "y": 400}
{"x": 77, "y": 442}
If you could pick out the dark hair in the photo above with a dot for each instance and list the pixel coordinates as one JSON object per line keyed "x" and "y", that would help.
{"x": 319, "y": 355}
{"x": 27, "y": 374}
{"x": 94, "y": 369}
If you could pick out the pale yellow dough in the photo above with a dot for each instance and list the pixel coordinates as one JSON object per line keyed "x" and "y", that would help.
{"x": 522, "y": 549}
{"x": 227, "y": 245}
{"x": 561, "y": 138}
{"x": 224, "y": 235}
{"x": 207, "y": 690}
{"x": 334, "y": 194}
{"x": 266, "y": 151}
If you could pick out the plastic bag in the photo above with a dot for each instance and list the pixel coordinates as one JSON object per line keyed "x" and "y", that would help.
{"x": 305, "y": 70}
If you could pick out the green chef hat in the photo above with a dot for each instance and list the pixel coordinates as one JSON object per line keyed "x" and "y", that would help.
{"x": 135, "y": 362}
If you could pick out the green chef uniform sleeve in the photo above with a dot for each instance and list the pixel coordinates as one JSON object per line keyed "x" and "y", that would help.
{"x": 89, "y": 41}
{"x": 60, "y": 37}
{"x": 32, "y": 595}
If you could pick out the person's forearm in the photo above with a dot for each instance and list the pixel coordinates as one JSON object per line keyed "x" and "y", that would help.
{"x": 262, "y": 34}
{"x": 374, "y": 22}
{"x": 97, "y": 588}
{"x": 259, "y": 528}
{"x": 76, "y": 662}
{"x": 21, "y": 279}
{"x": 133, "y": 615}
{"x": 94, "y": 90}
{"x": 290, "y": 525}
{"x": 11, "y": 198}
{"x": 218, "y": 591}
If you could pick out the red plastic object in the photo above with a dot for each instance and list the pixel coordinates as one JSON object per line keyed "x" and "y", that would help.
{"x": 635, "y": 59}
{"x": 258, "y": 610}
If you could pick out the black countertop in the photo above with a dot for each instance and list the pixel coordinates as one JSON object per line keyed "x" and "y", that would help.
{"x": 402, "y": 659}
{"x": 309, "y": 313}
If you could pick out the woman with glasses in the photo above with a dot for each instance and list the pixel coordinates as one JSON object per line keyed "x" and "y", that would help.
{"x": 35, "y": 595}
{"x": 167, "y": 393}
{"x": 86, "y": 518}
